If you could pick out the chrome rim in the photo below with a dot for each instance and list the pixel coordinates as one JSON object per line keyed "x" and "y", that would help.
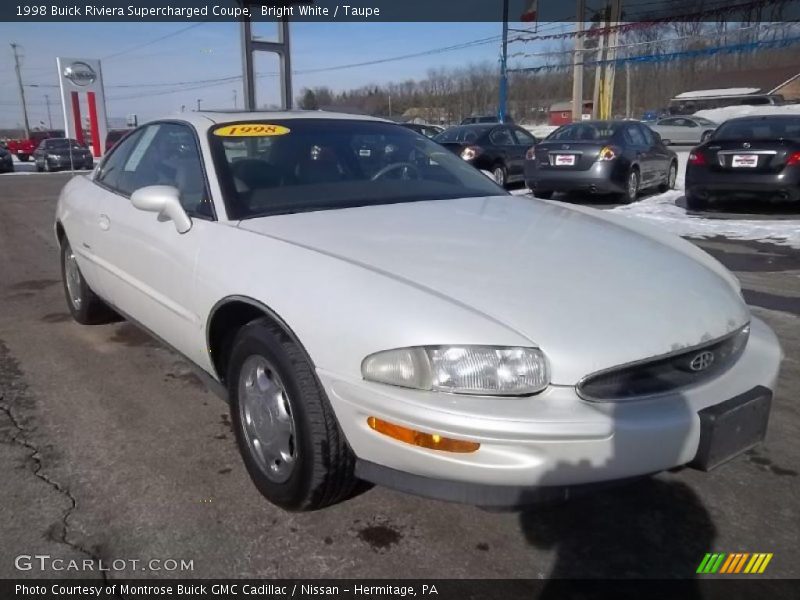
{"x": 673, "y": 175}
{"x": 633, "y": 185}
{"x": 266, "y": 418}
{"x": 498, "y": 176}
{"x": 73, "y": 277}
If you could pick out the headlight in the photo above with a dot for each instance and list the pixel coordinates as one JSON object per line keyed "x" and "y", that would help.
{"x": 480, "y": 370}
{"x": 53, "y": 156}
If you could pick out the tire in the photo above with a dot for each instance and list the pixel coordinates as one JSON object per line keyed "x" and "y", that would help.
{"x": 86, "y": 307}
{"x": 47, "y": 167}
{"x": 307, "y": 464}
{"x": 695, "y": 203}
{"x": 500, "y": 174}
{"x": 543, "y": 194}
{"x": 631, "y": 192}
{"x": 672, "y": 175}
{"x": 38, "y": 168}
{"x": 22, "y": 157}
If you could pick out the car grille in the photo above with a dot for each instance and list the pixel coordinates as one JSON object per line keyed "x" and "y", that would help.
{"x": 665, "y": 374}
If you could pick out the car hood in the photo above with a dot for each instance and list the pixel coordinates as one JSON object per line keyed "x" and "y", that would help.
{"x": 589, "y": 289}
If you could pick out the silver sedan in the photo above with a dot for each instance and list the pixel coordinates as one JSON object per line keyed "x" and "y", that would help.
{"x": 684, "y": 130}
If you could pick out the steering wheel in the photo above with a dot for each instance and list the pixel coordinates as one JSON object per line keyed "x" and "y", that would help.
{"x": 393, "y": 167}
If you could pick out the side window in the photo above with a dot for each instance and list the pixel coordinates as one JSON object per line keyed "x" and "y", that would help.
{"x": 111, "y": 167}
{"x": 634, "y": 136}
{"x": 167, "y": 154}
{"x": 523, "y": 137}
{"x": 649, "y": 136}
{"x": 501, "y": 137}
{"x": 667, "y": 122}
{"x": 691, "y": 123}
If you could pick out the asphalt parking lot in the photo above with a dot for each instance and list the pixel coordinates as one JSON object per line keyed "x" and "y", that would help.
{"x": 110, "y": 448}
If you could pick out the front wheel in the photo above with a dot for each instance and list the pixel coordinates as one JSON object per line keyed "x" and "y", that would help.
{"x": 671, "y": 177}
{"x": 286, "y": 431}
{"x": 84, "y": 305}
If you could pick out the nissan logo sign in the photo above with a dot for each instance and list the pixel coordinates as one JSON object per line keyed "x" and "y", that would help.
{"x": 702, "y": 361}
{"x": 80, "y": 74}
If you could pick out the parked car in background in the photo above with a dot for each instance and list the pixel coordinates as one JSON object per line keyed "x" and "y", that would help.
{"x": 6, "y": 160}
{"x": 429, "y": 131}
{"x": 604, "y": 157}
{"x": 54, "y": 154}
{"x": 499, "y": 149}
{"x": 684, "y": 130}
{"x": 746, "y": 158}
{"x": 113, "y": 136}
{"x": 484, "y": 119}
{"x": 24, "y": 148}
{"x": 402, "y": 320}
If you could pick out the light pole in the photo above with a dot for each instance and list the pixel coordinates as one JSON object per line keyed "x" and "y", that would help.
{"x": 199, "y": 100}
{"x": 14, "y": 47}
{"x": 235, "y": 100}
{"x": 49, "y": 117}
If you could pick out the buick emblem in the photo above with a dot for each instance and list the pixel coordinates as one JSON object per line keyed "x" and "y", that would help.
{"x": 702, "y": 361}
{"x": 746, "y": 145}
{"x": 80, "y": 74}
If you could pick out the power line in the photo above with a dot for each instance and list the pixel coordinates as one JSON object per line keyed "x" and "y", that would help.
{"x": 154, "y": 41}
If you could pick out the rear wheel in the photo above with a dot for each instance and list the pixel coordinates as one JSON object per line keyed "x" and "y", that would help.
{"x": 22, "y": 157}
{"x": 695, "y": 202}
{"x": 631, "y": 187}
{"x": 84, "y": 305}
{"x": 500, "y": 174}
{"x": 671, "y": 177}
{"x": 286, "y": 431}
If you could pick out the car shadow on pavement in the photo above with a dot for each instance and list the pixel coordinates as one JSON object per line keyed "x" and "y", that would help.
{"x": 652, "y": 527}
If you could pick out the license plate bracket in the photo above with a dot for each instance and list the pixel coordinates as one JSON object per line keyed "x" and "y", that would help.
{"x": 732, "y": 427}
{"x": 565, "y": 160}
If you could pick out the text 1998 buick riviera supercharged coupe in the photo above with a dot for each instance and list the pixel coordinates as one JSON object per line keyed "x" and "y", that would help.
{"x": 376, "y": 309}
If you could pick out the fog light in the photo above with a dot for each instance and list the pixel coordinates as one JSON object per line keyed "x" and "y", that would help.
{"x": 433, "y": 441}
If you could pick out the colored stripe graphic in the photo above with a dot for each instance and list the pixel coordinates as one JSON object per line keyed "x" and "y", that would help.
{"x": 734, "y": 563}
{"x": 76, "y": 116}
{"x": 93, "y": 125}
{"x": 729, "y": 563}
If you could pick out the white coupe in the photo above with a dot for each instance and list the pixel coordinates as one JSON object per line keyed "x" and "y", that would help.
{"x": 376, "y": 309}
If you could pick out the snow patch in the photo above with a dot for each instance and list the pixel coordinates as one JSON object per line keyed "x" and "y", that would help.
{"x": 719, "y": 115}
{"x": 717, "y": 92}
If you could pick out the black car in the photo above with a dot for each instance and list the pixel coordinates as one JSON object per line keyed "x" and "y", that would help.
{"x": 54, "y": 154}
{"x": 429, "y": 131}
{"x": 603, "y": 157}
{"x": 746, "y": 158}
{"x": 6, "y": 161}
{"x": 497, "y": 148}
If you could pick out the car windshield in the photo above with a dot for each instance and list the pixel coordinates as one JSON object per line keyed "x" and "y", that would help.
{"x": 763, "y": 129}
{"x": 462, "y": 135}
{"x": 38, "y": 136}
{"x": 63, "y": 144}
{"x": 299, "y": 165}
{"x": 584, "y": 132}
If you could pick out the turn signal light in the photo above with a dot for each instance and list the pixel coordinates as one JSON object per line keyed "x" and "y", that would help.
{"x": 697, "y": 158}
{"x": 432, "y": 441}
{"x": 470, "y": 152}
{"x": 794, "y": 159}
{"x": 606, "y": 153}
{"x": 531, "y": 153}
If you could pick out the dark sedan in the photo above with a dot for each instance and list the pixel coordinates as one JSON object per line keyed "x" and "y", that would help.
{"x": 497, "y": 148}
{"x": 746, "y": 158}
{"x": 603, "y": 157}
{"x": 6, "y": 161}
{"x": 62, "y": 153}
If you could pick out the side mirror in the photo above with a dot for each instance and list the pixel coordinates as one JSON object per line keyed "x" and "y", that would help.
{"x": 663, "y": 141}
{"x": 706, "y": 136}
{"x": 164, "y": 200}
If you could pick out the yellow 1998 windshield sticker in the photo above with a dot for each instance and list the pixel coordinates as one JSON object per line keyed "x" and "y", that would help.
{"x": 251, "y": 129}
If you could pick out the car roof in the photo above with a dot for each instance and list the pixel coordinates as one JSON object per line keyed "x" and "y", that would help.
{"x": 206, "y": 118}
{"x": 764, "y": 117}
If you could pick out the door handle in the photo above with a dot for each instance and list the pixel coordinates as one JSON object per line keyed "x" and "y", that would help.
{"x": 104, "y": 222}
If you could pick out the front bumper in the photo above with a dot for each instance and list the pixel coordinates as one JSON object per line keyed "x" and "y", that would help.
{"x": 551, "y": 440}
{"x": 602, "y": 177}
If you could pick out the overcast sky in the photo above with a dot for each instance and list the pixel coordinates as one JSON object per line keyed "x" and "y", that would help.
{"x": 211, "y": 50}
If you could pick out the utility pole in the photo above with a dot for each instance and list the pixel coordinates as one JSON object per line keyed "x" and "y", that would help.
{"x": 628, "y": 89}
{"x": 501, "y": 111}
{"x": 577, "y": 64}
{"x": 14, "y": 47}
{"x": 199, "y": 100}
{"x": 597, "y": 96}
{"x": 49, "y": 118}
{"x": 608, "y": 87}
{"x": 235, "y": 100}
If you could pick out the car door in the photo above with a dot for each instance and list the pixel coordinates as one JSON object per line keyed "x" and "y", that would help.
{"x": 505, "y": 146}
{"x": 658, "y": 155}
{"x": 525, "y": 141}
{"x": 639, "y": 151}
{"x": 667, "y": 130}
{"x": 151, "y": 265}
